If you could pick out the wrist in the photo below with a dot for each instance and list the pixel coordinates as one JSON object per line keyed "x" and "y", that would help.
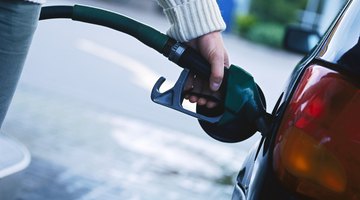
{"x": 192, "y": 18}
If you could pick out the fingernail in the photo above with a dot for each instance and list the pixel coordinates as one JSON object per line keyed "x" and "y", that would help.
{"x": 215, "y": 86}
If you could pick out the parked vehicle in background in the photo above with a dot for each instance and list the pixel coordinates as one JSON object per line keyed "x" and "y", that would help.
{"x": 314, "y": 20}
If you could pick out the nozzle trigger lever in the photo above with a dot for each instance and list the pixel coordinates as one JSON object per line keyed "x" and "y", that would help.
{"x": 173, "y": 97}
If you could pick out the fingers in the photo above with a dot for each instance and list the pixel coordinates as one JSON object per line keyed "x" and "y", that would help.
{"x": 217, "y": 70}
{"x": 197, "y": 91}
{"x": 212, "y": 48}
{"x": 189, "y": 84}
{"x": 201, "y": 94}
{"x": 226, "y": 60}
{"x": 211, "y": 104}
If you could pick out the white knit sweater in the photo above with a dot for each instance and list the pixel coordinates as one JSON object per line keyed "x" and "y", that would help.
{"x": 192, "y": 18}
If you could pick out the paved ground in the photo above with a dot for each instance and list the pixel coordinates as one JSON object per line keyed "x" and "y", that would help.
{"x": 93, "y": 132}
{"x": 82, "y": 153}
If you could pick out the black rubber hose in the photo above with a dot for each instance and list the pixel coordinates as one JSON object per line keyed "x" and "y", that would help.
{"x": 146, "y": 34}
{"x": 189, "y": 59}
{"x": 53, "y": 12}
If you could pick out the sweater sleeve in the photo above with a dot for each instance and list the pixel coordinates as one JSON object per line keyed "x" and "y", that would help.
{"x": 190, "y": 19}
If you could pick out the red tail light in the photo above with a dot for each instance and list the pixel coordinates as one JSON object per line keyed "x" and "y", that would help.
{"x": 317, "y": 149}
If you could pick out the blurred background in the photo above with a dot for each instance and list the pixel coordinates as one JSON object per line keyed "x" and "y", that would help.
{"x": 265, "y": 22}
{"x": 83, "y": 108}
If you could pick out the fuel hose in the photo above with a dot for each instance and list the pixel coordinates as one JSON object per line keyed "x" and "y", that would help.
{"x": 180, "y": 54}
{"x": 237, "y": 83}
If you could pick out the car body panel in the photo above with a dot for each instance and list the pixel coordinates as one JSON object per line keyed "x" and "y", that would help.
{"x": 330, "y": 53}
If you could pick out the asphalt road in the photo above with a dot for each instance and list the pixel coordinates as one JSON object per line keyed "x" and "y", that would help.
{"x": 83, "y": 109}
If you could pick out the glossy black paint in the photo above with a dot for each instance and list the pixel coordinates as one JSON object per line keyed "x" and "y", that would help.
{"x": 339, "y": 50}
{"x": 343, "y": 44}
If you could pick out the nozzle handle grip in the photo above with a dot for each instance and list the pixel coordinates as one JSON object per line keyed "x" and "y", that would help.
{"x": 188, "y": 58}
{"x": 192, "y": 60}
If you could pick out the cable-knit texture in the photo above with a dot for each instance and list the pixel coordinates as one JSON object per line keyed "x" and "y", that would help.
{"x": 192, "y": 18}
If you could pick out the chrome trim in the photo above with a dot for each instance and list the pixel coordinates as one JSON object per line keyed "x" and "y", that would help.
{"x": 176, "y": 51}
{"x": 238, "y": 193}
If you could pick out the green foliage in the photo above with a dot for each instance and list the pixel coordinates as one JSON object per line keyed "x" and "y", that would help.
{"x": 267, "y": 19}
{"x": 280, "y": 11}
{"x": 226, "y": 179}
{"x": 270, "y": 34}
{"x": 245, "y": 23}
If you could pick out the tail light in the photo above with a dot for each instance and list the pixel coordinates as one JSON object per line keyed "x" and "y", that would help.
{"x": 317, "y": 149}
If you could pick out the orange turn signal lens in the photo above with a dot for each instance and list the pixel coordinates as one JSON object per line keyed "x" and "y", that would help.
{"x": 317, "y": 149}
{"x": 308, "y": 159}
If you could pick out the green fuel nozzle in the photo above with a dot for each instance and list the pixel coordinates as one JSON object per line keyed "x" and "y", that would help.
{"x": 242, "y": 112}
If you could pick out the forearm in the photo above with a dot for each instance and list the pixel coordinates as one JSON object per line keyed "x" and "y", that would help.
{"x": 192, "y": 18}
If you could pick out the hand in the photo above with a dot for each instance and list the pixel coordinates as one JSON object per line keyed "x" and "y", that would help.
{"x": 211, "y": 46}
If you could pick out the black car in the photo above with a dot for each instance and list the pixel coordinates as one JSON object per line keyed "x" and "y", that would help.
{"x": 312, "y": 141}
{"x": 313, "y": 149}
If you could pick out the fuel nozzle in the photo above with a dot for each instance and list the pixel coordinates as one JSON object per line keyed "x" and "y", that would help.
{"x": 242, "y": 111}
